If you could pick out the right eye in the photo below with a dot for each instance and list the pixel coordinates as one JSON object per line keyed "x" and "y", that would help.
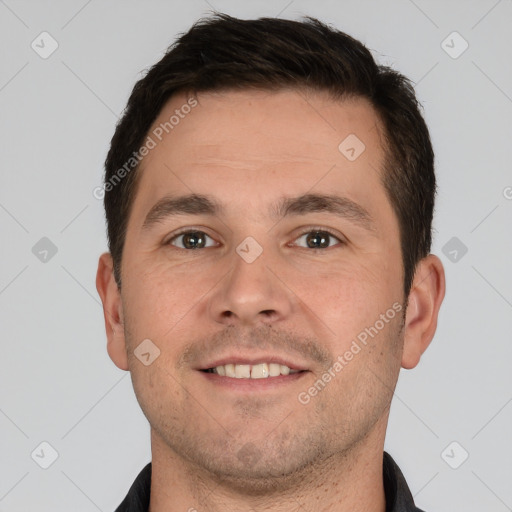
{"x": 192, "y": 239}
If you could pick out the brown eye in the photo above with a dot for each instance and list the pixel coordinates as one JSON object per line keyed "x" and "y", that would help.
{"x": 191, "y": 240}
{"x": 318, "y": 239}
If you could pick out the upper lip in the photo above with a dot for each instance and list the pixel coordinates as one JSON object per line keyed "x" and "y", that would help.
{"x": 252, "y": 360}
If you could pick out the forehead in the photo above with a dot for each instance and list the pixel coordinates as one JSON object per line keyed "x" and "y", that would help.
{"x": 250, "y": 143}
{"x": 290, "y": 123}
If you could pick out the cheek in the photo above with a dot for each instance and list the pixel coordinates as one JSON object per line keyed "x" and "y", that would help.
{"x": 355, "y": 289}
{"x": 349, "y": 299}
{"x": 159, "y": 393}
{"x": 159, "y": 295}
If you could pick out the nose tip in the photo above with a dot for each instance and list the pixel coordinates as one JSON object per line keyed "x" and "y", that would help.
{"x": 250, "y": 294}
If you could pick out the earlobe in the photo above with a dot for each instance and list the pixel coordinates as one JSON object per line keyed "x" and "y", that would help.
{"x": 112, "y": 311}
{"x": 425, "y": 298}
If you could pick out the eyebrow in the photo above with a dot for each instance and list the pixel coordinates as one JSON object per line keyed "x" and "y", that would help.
{"x": 191, "y": 204}
{"x": 317, "y": 203}
{"x": 199, "y": 204}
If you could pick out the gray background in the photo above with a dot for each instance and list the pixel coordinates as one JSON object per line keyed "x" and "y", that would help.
{"x": 57, "y": 117}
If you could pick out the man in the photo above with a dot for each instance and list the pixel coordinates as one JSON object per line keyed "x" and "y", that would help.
{"x": 269, "y": 195}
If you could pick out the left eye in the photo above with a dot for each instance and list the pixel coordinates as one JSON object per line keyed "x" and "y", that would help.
{"x": 318, "y": 239}
{"x": 192, "y": 240}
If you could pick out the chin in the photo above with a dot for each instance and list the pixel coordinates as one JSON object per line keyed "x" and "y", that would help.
{"x": 261, "y": 478}
{"x": 276, "y": 464}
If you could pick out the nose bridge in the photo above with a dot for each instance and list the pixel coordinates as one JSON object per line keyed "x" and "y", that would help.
{"x": 250, "y": 292}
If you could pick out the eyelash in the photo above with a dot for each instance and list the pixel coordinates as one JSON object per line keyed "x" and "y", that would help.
{"x": 311, "y": 229}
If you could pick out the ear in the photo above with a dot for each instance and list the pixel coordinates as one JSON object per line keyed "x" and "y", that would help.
{"x": 425, "y": 298}
{"x": 112, "y": 311}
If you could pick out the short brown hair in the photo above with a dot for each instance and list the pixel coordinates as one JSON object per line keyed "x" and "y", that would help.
{"x": 222, "y": 52}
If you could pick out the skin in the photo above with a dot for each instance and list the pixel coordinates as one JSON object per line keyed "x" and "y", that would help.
{"x": 215, "y": 448}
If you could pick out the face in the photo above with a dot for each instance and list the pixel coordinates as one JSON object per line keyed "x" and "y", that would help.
{"x": 286, "y": 252}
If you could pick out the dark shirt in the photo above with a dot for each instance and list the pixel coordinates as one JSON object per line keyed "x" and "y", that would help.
{"x": 398, "y": 496}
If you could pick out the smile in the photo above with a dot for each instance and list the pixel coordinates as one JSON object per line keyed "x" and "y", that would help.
{"x": 252, "y": 371}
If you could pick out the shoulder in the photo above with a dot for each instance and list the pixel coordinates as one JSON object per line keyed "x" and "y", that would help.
{"x": 137, "y": 499}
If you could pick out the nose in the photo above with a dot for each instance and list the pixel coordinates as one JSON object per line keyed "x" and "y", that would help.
{"x": 251, "y": 294}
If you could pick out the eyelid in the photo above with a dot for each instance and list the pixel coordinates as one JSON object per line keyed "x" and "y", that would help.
{"x": 185, "y": 230}
{"x": 321, "y": 229}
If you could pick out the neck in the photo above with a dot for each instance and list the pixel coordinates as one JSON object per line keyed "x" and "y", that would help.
{"x": 351, "y": 481}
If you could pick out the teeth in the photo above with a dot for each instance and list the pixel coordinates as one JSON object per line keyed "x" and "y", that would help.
{"x": 255, "y": 371}
{"x": 259, "y": 371}
{"x": 274, "y": 369}
{"x": 242, "y": 371}
{"x": 230, "y": 370}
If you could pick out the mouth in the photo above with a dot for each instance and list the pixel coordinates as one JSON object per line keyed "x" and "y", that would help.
{"x": 252, "y": 371}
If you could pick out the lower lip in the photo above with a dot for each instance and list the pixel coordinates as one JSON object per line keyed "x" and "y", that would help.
{"x": 253, "y": 384}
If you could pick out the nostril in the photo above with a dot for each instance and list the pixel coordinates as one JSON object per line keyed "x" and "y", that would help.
{"x": 268, "y": 313}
